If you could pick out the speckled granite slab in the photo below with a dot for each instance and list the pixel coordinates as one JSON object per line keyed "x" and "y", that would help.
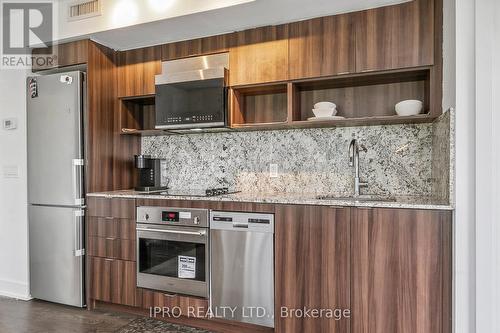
{"x": 443, "y": 157}
{"x": 395, "y": 160}
{"x": 409, "y": 202}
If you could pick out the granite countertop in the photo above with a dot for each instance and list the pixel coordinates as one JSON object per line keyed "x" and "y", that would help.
{"x": 288, "y": 198}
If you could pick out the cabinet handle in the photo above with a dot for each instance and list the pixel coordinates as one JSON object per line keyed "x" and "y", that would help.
{"x": 109, "y": 218}
{"x": 111, "y": 238}
{"x": 107, "y": 259}
{"x": 170, "y": 295}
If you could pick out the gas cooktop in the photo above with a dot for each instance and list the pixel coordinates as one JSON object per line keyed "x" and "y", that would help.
{"x": 211, "y": 192}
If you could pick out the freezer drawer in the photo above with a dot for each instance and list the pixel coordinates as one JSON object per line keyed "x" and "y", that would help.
{"x": 56, "y": 254}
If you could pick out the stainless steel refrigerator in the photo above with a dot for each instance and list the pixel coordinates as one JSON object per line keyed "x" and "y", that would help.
{"x": 56, "y": 209}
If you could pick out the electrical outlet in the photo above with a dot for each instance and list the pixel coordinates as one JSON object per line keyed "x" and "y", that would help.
{"x": 273, "y": 170}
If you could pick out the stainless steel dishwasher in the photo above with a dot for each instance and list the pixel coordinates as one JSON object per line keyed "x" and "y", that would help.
{"x": 242, "y": 267}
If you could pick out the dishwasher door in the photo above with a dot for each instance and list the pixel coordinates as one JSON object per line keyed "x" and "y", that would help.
{"x": 242, "y": 267}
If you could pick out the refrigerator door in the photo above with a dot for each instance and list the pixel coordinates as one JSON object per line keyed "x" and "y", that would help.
{"x": 55, "y": 139}
{"x": 56, "y": 254}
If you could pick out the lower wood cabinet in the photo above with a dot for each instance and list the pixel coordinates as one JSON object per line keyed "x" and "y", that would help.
{"x": 390, "y": 267}
{"x": 113, "y": 281}
{"x": 312, "y": 267}
{"x": 401, "y": 271}
{"x": 112, "y": 248}
{"x": 189, "y": 306}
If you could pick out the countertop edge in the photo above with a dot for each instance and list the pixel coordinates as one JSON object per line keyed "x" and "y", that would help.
{"x": 277, "y": 200}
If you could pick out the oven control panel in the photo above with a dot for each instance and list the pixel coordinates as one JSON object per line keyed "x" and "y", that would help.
{"x": 173, "y": 216}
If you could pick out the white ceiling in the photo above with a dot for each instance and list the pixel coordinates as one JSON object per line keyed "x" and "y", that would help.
{"x": 228, "y": 19}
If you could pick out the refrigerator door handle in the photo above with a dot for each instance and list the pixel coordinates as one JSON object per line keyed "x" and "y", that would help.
{"x": 77, "y": 186}
{"x": 79, "y": 250}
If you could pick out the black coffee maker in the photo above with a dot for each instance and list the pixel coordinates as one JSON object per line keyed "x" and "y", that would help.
{"x": 149, "y": 173}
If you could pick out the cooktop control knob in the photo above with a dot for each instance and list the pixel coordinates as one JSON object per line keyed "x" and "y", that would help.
{"x": 146, "y": 217}
{"x": 196, "y": 220}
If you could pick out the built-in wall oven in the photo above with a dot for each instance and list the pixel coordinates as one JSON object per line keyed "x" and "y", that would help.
{"x": 173, "y": 250}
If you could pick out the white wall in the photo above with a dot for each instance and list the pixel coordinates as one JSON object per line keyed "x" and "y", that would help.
{"x": 464, "y": 222}
{"x": 14, "y": 280}
{"x": 487, "y": 165}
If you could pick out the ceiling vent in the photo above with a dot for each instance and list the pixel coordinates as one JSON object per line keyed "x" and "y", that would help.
{"x": 85, "y": 9}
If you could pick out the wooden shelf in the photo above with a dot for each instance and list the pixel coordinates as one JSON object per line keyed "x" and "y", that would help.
{"x": 364, "y": 121}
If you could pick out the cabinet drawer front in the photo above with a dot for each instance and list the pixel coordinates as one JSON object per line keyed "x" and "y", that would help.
{"x": 113, "y": 248}
{"x": 117, "y": 208}
{"x": 111, "y": 227}
{"x": 189, "y": 306}
{"x": 113, "y": 281}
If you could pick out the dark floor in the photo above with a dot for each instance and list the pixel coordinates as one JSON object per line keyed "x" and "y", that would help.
{"x": 43, "y": 317}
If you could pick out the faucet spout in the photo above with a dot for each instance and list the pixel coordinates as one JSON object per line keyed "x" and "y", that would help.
{"x": 354, "y": 162}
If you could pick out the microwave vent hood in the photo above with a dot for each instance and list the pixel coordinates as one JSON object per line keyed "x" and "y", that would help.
{"x": 193, "y": 69}
{"x": 191, "y": 93}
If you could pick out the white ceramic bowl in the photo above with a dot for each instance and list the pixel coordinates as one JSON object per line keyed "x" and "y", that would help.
{"x": 324, "y": 112}
{"x": 325, "y": 105}
{"x": 409, "y": 107}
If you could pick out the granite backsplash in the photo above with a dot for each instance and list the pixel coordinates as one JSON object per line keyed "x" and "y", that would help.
{"x": 395, "y": 160}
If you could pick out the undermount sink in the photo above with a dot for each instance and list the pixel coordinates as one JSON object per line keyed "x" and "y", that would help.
{"x": 358, "y": 198}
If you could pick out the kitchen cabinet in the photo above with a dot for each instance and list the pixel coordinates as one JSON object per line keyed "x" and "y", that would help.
{"x": 195, "y": 47}
{"x": 188, "y": 306}
{"x": 312, "y": 266}
{"x": 259, "y": 55}
{"x": 112, "y": 247}
{"x": 395, "y": 36}
{"x": 113, "y": 281}
{"x": 323, "y": 46}
{"x": 401, "y": 271}
{"x": 137, "y": 70}
{"x": 67, "y": 54}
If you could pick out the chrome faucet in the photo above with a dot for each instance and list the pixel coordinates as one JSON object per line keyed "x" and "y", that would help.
{"x": 354, "y": 161}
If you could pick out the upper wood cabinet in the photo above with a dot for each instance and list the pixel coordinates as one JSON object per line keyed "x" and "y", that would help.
{"x": 322, "y": 47}
{"x": 68, "y": 54}
{"x": 259, "y": 55}
{"x": 137, "y": 70}
{"x": 401, "y": 271}
{"x": 195, "y": 47}
{"x": 312, "y": 266}
{"x": 396, "y": 36}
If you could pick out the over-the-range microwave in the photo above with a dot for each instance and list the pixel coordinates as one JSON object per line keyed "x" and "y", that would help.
{"x": 192, "y": 93}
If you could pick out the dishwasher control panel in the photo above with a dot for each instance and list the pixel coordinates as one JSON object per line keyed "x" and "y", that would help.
{"x": 238, "y": 221}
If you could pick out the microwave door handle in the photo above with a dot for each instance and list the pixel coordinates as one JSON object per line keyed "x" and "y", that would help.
{"x": 202, "y": 233}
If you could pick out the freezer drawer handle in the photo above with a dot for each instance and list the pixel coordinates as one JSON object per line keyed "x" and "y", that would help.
{"x": 78, "y": 216}
{"x": 202, "y": 233}
{"x": 77, "y": 186}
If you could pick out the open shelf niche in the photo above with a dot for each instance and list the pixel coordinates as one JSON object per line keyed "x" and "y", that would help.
{"x": 363, "y": 99}
{"x": 259, "y": 105}
{"x": 137, "y": 115}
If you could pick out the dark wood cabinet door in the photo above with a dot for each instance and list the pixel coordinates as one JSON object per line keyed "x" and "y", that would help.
{"x": 137, "y": 70}
{"x": 312, "y": 266}
{"x": 195, "y": 47}
{"x": 400, "y": 265}
{"x": 68, "y": 54}
{"x": 113, "y": 281}
{"x": 259, "y": 55}
{"x": 395, "y": 36}
{"x": 322, "y": 47}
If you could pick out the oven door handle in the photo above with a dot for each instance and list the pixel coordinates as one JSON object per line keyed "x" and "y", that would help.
{"x": 201, "y": 233}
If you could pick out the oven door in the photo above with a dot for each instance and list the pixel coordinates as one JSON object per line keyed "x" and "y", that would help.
{"x": 173, "y": 259}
